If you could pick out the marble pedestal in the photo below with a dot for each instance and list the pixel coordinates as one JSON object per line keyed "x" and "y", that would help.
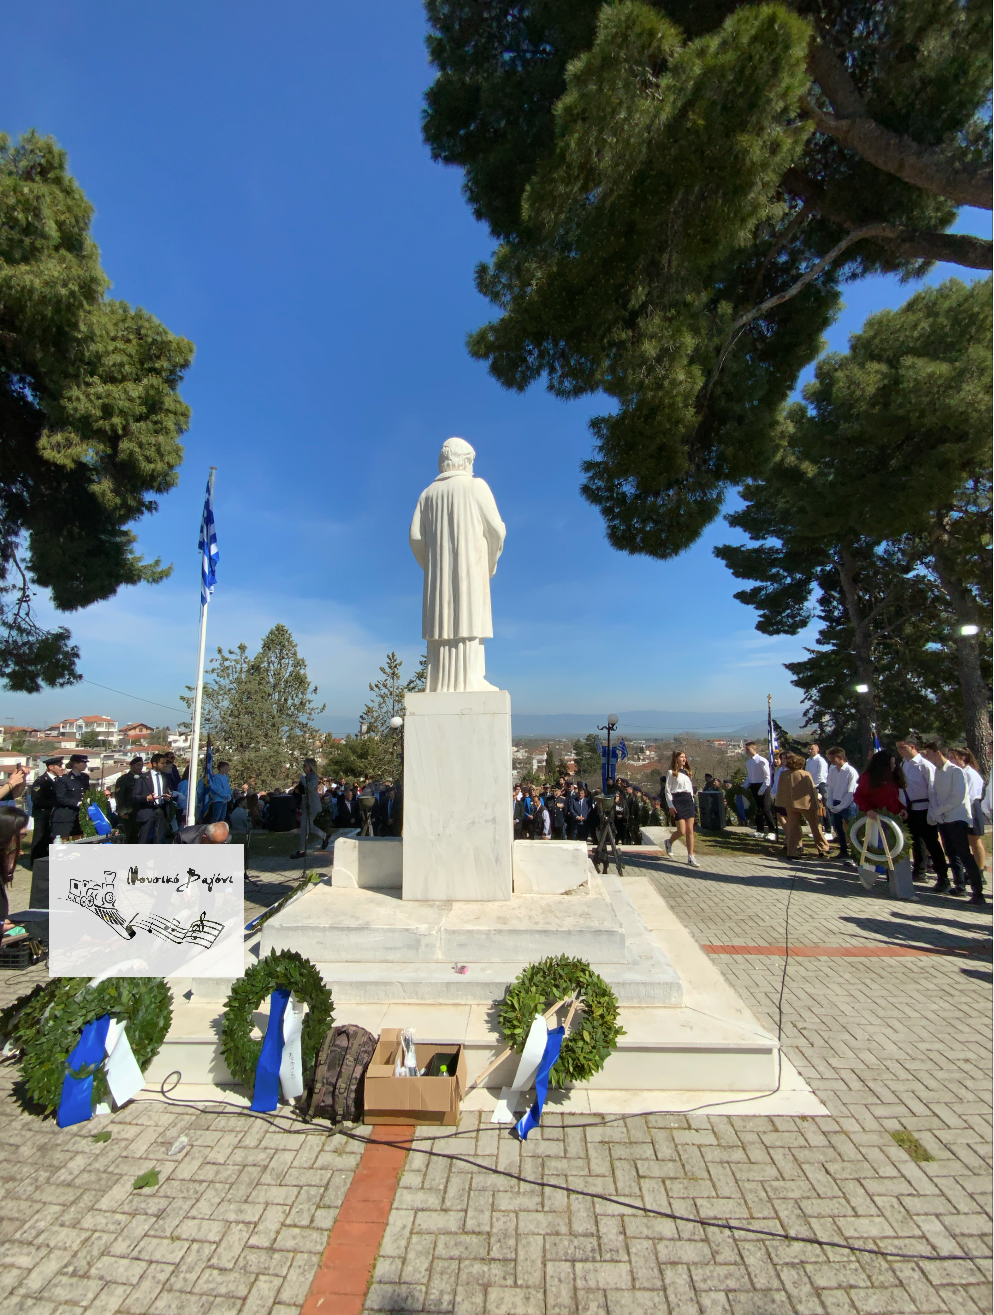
{"x": 458, "y": 827}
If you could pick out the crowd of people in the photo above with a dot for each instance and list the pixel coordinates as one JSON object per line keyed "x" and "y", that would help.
{"x": 934, "y": 788}
{"x": 568, "y": 810}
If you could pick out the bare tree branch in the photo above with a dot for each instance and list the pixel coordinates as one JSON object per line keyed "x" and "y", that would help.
{"x": 936, "y": 169}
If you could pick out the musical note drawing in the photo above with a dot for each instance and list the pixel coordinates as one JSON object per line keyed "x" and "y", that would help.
{"x": 98, "y": 897}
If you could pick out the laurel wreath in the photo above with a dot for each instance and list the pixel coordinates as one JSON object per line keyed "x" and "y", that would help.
{"x": 45, "y": 1024}
{"x": 890, "y": 824}
{"x": 92, "y": 797}
{"x": 294, "y": 973}
{"x": 591, "y": 1039}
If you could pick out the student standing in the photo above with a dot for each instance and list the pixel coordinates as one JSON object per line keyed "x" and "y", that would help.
{"x": 925, "y": 843}
{"x": 949, "y": 808}
{"x": 679, "y": 791}
{"x": 758, "y": 781}
{"x": 840, "y": 787}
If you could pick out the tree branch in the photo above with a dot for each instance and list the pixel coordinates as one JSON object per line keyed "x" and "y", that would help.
{"x": 934, "y": 168}
{"x": 955, "y": 248}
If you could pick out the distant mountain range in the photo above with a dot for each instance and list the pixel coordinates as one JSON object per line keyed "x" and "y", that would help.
{"x": 642, "y": 723}
{"x": 639, "y": 724}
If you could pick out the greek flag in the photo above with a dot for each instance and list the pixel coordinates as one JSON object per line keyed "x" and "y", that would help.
{"x": 622, "y": 750}
{"x": 876, "y": 739}
{"x": 771, "y": 732}
{"x": 208, "y": 548}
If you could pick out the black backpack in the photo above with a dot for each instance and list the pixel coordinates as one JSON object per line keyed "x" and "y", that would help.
{"x": 340, "y": 1072}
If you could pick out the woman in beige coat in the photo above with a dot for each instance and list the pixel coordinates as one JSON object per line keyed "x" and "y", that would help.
{"x": 797, "y": 796}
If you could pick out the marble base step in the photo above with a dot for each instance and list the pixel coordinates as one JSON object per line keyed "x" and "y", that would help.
{"x": 662, "y": 1048}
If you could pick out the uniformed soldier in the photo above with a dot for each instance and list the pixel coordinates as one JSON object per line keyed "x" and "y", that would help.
{"x": 69, "y": 790}
{"x": 43, "y": 806}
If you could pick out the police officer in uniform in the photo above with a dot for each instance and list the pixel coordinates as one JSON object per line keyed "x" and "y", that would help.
{"x": 43, "y": 806}
{"x": 557, "y": 814}
{"x": 69, "y": 791}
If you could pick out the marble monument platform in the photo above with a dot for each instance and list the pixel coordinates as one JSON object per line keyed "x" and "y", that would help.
{"x": 458, "y": 828}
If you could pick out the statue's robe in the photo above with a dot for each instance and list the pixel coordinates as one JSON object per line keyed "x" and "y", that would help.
{"x": 457, "y": 536}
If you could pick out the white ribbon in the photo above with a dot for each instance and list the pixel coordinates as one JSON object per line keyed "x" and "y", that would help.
{"x": 528, "y": 1064}
{"x": 124, "y": 1077}
{"x": 291, "y": 1064}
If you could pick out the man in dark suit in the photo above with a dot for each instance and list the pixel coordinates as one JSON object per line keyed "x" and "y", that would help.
{"x": 43, "y": 806}
{"x": 348, "y": 810}
{"x": 69, "y": 790}
{"x": 152, "y": 794}
{"x": 387, "y": 814}
{"x": 127, "y": 801}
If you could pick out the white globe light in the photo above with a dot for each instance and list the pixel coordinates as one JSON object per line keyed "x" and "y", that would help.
{"x": 396, "y": 723}
{"x": 862, "y": 689}
{"x": 969, "y": 630}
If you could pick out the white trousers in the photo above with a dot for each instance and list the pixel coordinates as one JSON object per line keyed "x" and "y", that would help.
{"x": 456, "y": 664}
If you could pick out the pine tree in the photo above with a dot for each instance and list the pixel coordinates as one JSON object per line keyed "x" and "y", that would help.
{"x": 259, "y": 711}
{"x": 550, "y": 765}
{"x": 90, "y": 416}
{"x": 876, "y": 518}
{"x": 679, "y": 191}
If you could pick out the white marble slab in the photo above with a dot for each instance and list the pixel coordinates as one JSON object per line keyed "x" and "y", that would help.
{"x": 548, "y": 867}
{"x": 458, "y": 828}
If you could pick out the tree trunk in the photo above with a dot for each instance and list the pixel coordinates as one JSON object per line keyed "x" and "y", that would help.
{"x": 976, "y": 692}
{"x": 862, "y": 650}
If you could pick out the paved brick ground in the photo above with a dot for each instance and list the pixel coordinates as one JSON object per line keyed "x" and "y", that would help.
{"x": 887, "y": 1044}
{"x": 242, "y": 1214}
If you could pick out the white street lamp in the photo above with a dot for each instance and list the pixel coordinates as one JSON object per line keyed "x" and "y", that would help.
{"x": 969, "y": 630}
{"x": 862, "y": 689}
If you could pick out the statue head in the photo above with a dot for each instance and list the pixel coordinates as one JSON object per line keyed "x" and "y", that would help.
{"x": 456, "y": 454}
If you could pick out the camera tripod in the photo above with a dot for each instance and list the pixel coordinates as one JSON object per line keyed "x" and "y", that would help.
{"x": 607, "y": 841}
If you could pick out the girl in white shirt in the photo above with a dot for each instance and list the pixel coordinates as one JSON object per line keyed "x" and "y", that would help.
{"x": 679, "y": 791}
{"x": 975, "y": 782}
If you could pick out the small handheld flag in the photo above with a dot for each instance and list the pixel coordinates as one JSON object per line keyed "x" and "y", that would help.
{"x": 876, "y": 739}
{"x": 208, "y": 547}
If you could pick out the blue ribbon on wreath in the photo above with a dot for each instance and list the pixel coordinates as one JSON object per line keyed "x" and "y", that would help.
{"x": 553, "y": 1045}
{"x": 266, "y": 1092}
{"x": 76, "y": 1103}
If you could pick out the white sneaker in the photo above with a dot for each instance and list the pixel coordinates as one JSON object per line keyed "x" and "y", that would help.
{"x": 693, "y": 861}
{"x": 668, "y": 845}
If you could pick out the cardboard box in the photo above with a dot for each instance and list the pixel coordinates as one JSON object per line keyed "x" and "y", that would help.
{"x": 412, "y": 1100}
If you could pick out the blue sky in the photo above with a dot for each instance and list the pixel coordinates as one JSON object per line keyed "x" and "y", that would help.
{"x": 261, "y": 186}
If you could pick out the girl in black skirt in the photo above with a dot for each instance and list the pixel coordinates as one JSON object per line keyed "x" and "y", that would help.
{"x": 679, "y": 792}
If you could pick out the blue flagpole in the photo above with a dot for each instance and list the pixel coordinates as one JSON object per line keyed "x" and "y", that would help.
{"x": 208, "y": 577}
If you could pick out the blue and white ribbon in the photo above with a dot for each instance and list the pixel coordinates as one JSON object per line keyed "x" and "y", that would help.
{"x": 553, "y": 1045}
{"x": 280, "y": 1059}
{"x": 76, "y": 1104}
{"x": 96, "y": 816}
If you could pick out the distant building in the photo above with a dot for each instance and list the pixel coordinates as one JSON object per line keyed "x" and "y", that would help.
{"x": 105, "y": 727}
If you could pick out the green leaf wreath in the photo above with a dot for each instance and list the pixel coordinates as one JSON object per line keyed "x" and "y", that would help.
{"x": 45, "y": 1024}
{"x": 292, "y": 971}
{"x": 102, "y": 802}
{"x": 875, "y": 852}
{"x": 595, "y": 1031}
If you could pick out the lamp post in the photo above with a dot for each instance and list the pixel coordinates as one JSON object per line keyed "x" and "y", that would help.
{"x": 612, "y": 722}
{"x": 397, "y": 724}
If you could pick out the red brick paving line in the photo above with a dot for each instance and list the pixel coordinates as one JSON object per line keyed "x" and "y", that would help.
{"x": 339, "y": 1286}
{"x": 848, "y": 951}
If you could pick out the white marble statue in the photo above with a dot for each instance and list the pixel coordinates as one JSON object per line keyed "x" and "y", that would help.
{"x": 456, "y": 535}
